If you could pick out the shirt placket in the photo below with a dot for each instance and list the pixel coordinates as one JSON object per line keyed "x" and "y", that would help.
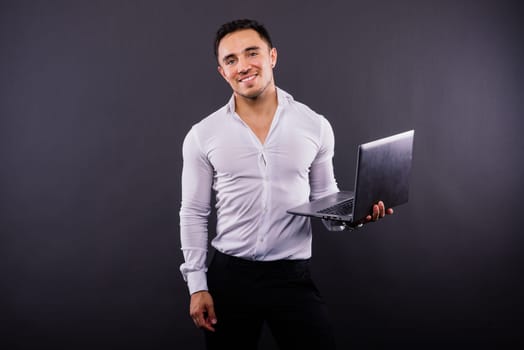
{"x": 265, "y": 167}
{"x": 263, "y": 227}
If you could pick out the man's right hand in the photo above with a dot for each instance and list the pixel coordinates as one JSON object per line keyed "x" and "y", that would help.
{"x": 202, "y": 310}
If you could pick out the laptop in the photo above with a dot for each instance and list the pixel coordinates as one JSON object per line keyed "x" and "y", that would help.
{"x": 383, "y": 173}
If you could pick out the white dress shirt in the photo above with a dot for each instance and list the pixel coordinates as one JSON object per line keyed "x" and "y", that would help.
{"x": 254, "y": 183}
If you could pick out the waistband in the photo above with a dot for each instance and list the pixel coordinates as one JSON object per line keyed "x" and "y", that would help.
{"x": 273, "y": 264}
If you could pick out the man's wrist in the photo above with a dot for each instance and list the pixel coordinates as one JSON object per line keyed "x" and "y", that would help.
{"x": 199, "y": 291}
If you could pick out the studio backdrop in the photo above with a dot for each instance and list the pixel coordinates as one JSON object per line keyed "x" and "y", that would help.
{"x": 97, "y": 96}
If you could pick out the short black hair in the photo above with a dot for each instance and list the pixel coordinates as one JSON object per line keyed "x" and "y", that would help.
{"x": 241, "y": 24}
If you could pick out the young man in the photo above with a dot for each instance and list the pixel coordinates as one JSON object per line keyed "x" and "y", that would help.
{"x": 262, "y": 153}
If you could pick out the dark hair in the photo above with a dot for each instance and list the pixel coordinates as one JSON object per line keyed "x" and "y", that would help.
{"x": 241, "y": 24}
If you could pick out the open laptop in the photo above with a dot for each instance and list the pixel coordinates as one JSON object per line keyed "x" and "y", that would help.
{"x": 383, "y": 173}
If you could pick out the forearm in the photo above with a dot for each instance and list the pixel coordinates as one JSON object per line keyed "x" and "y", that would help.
{"x": 193, "y": 238}
{"x": 194, "y": 270}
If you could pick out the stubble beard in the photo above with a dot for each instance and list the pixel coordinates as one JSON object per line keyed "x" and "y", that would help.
{"x": 254, "y": 96}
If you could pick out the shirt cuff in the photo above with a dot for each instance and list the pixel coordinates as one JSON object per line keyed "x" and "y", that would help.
{"x": 196, "y": 281}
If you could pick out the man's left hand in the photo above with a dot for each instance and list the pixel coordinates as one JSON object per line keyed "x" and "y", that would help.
{"x": 379, "y": 211}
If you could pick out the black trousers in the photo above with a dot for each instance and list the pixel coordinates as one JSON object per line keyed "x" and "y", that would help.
{"x": 281, "y": 293}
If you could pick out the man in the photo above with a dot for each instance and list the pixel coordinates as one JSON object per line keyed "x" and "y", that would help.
{"x": 262, "y": 153}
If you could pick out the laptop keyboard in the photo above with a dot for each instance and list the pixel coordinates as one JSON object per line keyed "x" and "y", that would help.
{"x": 342, "y": 208}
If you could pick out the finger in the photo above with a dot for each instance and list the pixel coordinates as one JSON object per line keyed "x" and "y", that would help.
{"x": 208, "y": 326}
{"x": 372, "y": 216}
{"x": 198, "y": 319}
{"x": 381, "y": 209}
{"x": 201, "y": 322}
{"x": 390, "y": 211}
{"x": 211, "y": 317}
{"x": 376, "y": 212}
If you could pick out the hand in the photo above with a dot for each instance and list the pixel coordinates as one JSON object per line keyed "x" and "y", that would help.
{"x": 379, "y": 211}
{"x": 202, "y": 310}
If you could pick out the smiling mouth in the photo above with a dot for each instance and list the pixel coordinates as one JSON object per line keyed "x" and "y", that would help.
{"x": 246, "y": 79}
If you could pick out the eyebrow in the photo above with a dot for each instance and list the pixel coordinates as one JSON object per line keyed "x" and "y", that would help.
{"x": 247, "y": 49}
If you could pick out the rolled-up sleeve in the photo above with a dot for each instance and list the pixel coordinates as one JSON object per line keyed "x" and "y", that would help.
{"x": 197, "y": 178}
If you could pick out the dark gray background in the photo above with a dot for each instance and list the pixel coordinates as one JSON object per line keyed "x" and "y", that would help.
{"x": 96, "y": 97}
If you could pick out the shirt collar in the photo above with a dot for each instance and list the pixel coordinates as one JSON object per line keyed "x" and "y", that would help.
{"x": 283, "y": 99}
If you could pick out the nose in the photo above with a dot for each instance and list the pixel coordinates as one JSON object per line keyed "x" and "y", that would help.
{"x": 243, "y": 65}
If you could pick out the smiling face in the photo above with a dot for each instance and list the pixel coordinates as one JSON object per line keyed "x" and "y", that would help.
{"x": 246, "y": 62}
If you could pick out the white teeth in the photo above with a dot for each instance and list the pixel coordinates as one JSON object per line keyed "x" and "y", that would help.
{"x": 248, "y": 78}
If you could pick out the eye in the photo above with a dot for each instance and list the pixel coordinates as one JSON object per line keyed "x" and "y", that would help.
{"x": 230, "y": 61}
{"x": 253, "y": 53}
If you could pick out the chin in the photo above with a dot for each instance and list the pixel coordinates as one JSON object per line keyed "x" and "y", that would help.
{"x": 254, "y": 91}
{"x": 250, "y": 93}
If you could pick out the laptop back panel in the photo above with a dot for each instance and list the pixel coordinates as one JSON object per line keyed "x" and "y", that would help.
{"x": 383, "y": 173}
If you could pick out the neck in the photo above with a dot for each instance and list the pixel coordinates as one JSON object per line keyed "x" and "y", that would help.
{"x": 264, "y": 104}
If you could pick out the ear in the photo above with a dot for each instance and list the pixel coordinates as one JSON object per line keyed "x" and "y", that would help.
{"x": 222, "y": 73}
{"x": 273, "y": 54}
